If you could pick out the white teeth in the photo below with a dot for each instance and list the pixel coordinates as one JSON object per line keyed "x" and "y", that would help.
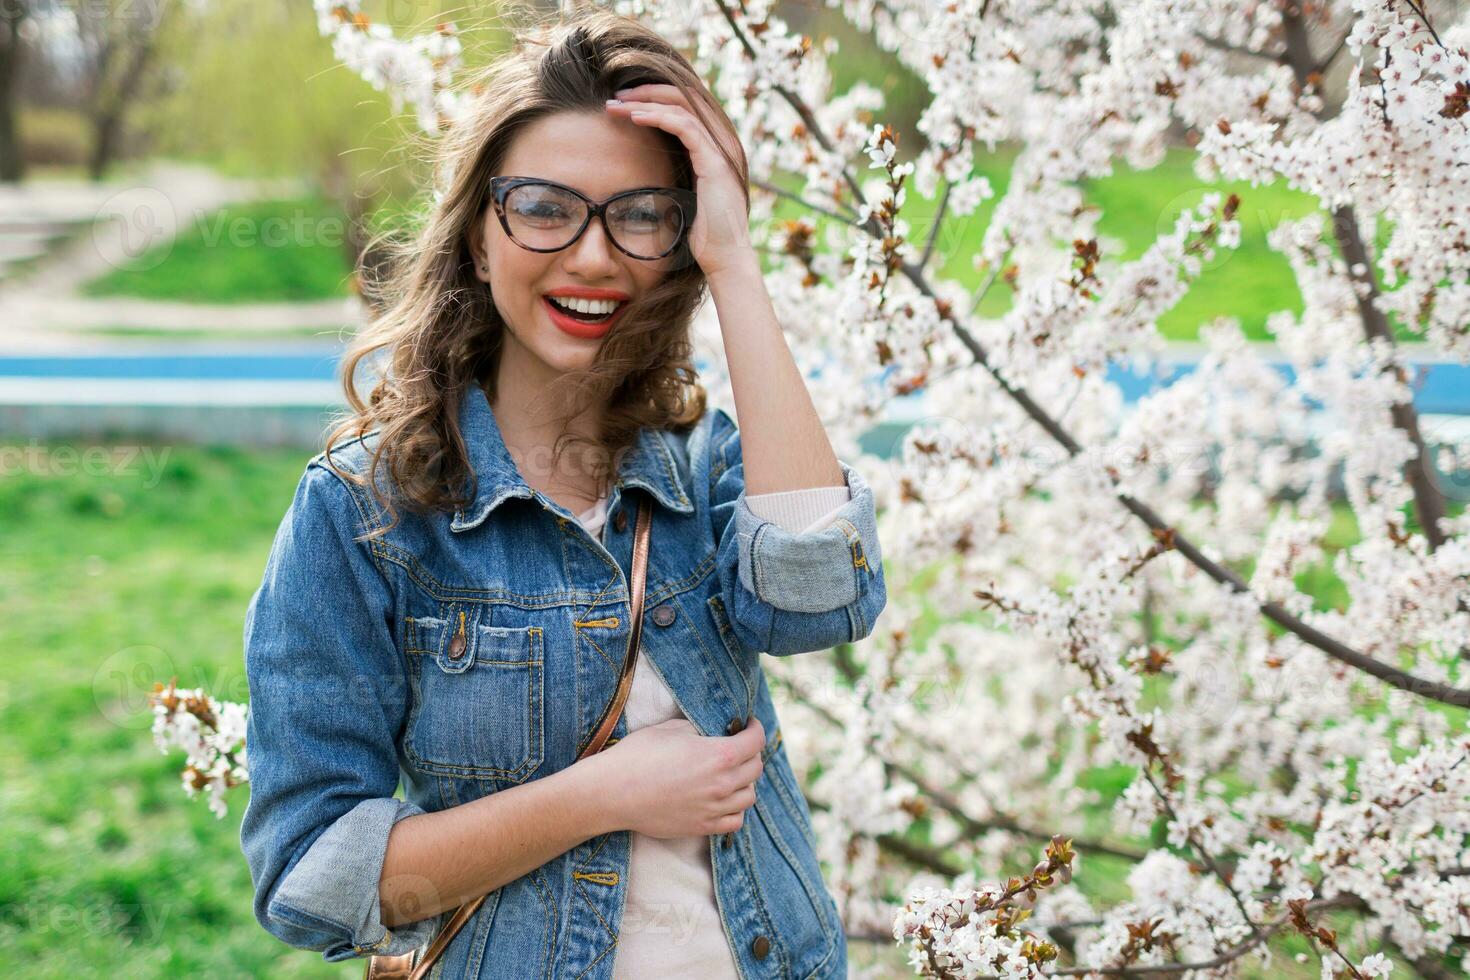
{"x": 592, "y": 307}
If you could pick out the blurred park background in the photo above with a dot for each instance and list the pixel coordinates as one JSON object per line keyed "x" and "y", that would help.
{"x": 185, "y": 192}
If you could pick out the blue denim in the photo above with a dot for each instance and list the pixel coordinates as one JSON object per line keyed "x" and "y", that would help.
{"x": 353, "y": 688}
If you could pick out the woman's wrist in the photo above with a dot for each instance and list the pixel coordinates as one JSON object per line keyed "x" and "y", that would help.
{"x": 592, "y": 784}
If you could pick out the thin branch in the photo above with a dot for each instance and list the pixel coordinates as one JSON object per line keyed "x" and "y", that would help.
{"x": 1228, "y": 48}
{"x": 1424, "y": 16}
{"x": 984, "y": 289}
{"x": 783, "y": 193}
{"x": 934, "y": 228}
{"x": 912, "y": 852}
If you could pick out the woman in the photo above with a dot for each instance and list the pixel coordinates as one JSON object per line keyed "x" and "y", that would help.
{"x": 446, "y": 600}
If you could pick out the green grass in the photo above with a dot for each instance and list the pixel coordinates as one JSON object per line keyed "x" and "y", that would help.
{"x": 258, "y": 252}
{"x": 107, "y": 583}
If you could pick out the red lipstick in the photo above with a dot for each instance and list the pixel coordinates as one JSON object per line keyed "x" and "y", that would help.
{"x": 589, "y": 330}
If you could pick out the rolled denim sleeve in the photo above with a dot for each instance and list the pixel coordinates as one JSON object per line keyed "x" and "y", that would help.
{"x": 792, "y": 592}
{"x": 327, "y": 701}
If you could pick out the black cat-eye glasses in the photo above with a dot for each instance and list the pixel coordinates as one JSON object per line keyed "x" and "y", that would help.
{"x": 543, "y": 216}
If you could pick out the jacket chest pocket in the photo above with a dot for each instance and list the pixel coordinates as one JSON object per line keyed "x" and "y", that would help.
{"x": 477, "y": 696}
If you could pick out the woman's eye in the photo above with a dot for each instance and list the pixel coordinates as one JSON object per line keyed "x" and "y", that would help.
{"x": 642, "y": 217}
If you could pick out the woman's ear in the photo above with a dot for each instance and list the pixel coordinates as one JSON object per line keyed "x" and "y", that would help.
{"x": 475, "y": 243}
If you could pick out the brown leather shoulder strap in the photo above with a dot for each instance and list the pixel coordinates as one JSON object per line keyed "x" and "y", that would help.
{"x": 636, "y": 586}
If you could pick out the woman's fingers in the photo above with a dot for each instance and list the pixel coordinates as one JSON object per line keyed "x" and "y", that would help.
{"x": 652, "y": 93}
{"x": 670, "y": 95}
{"x": 740, "y": 800}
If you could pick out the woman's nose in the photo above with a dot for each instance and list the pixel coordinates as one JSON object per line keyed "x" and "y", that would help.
{"x": 592, "y": 254}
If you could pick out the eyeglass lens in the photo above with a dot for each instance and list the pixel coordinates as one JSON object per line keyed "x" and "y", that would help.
{"x": 542, "y": 216}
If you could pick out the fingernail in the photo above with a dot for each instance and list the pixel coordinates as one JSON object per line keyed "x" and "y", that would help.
{"x": 614, "y": 101}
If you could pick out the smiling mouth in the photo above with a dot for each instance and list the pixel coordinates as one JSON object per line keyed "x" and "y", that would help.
{"x": 585, "y": 317}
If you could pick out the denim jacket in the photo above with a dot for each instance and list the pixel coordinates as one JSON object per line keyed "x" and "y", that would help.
{"x": 466, "y": 653}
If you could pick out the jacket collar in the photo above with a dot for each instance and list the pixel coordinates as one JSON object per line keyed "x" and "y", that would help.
{"x": 649, "y": 464}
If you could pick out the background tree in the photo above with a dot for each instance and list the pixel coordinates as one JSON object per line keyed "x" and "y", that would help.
{"x": 12, "y": 15}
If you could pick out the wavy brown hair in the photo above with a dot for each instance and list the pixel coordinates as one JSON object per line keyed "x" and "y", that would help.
{"x": 437, "y": 327}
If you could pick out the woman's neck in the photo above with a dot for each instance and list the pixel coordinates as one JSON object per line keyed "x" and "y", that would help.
{"x": 530, "y": 437}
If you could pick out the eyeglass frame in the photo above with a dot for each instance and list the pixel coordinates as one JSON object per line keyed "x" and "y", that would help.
{"x": 685, "y": 199}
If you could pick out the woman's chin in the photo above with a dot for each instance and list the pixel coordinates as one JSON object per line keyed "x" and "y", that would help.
{"x": 563, "y": 357}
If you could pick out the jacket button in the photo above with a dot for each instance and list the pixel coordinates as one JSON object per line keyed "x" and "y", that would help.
{"x": 456, "y": 646}
{"x": 621, "y": 521}
{"x": 663, "y": 615}
{"x": 727, "y": 839}
{"x": 736, "y": 725}
{"x": 760, "y": 946}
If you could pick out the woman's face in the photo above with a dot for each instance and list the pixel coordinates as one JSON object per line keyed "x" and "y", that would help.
{"x": 599, "y": 156}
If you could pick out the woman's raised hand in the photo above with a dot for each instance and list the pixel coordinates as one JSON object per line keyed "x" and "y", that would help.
{"x": 720, "y": 235}
{"x": 667, "y": 780}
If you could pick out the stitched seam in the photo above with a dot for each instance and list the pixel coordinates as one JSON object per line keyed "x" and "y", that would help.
{"x": 279, "y": 909}
{"x": 714, "y": 860}
{"x": 598, "y": 599}
{"x": 593, "y": 643}
{"x": 548, "y": 908}
{"x": 437, "y": 591}
{"x": 597, "y": 877}
{"x": 482, "y": 932}
{"x": 509, "y": 663}
{"x": 601, "y": 844}
{"x": 563, "y": 524}
{"x": 727, "y": 636}
{"x": 468, "y": 772}
{"x": 778, "y": 780}
{"x": 755, "y": 579}
{"x": 824, "y": 926}
{"x": 590, "y": 904}
{"x": 597, "y": 959}
{"x": 586, "y": 897}
{"x": 578, "y": 873}
{"x": 668, "y": 461}
{"x": 763, "y": 811}
{"x": 743, "y": 841}
{"x": 533, "y": 721}
{"x": 365, "y": 522}
{"x": 680, "y": 586}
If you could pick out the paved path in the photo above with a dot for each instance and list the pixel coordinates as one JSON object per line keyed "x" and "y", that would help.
{"x": 114, "y": 222}
{"x": 60, "y": 323}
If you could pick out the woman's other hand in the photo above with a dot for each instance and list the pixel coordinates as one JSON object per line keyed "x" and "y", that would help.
{"x": 668, "y": 780}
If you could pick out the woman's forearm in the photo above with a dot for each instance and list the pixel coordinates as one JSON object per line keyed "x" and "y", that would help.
{"x": 782, "y": 441}
{"x": 439, "y": 861}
